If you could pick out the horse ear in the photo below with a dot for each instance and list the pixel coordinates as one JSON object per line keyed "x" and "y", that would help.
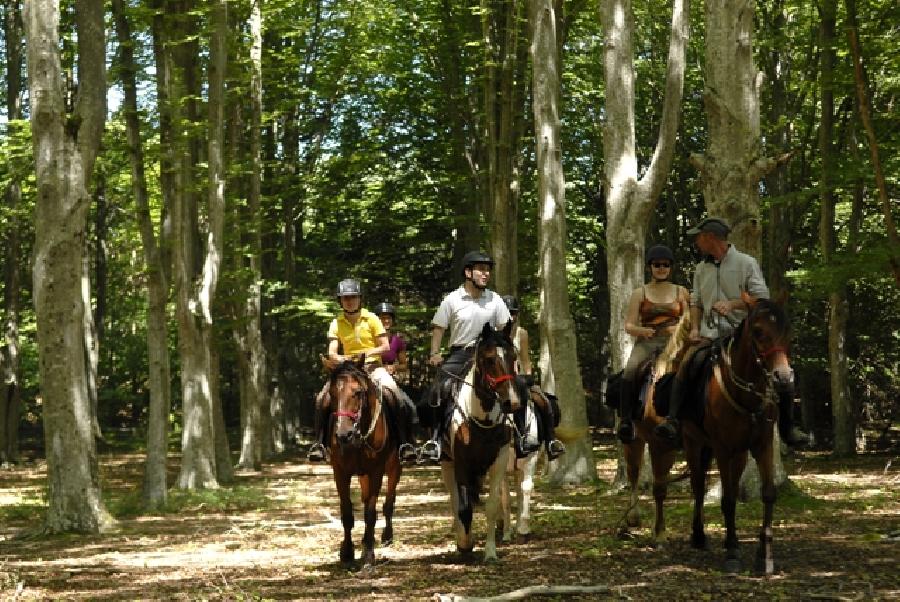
{"x": 360, "y": 360}
{"x": 507, "y": 330}
{"x": 486, "y": 330}
{"x": 749, "y": 299}
{"x": 327, "y": 363}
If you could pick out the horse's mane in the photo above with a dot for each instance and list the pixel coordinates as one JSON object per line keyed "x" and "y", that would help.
{"x": 670, "y": 356}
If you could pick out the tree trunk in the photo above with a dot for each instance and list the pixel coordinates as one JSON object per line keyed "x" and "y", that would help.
{"x": 841, "y": 404}
{"x": 10, "y": 393}
{"x": 196, "y": 277}
{"x": 561, "y": 372}
{"x": 65, "y": 147}
{"x": 91, "y": 332}
{"x": 254, "y": 399}
{"x": 158, "y": 271}
{"x": 734, "y": 163}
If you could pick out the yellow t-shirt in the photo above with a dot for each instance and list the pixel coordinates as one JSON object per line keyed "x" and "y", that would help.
{"x": 356, "y": 338}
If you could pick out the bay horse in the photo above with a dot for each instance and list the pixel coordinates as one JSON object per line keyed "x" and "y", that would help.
{"x": 738, "y": 417}
{"x": 651, "y": 378}
{"x": 479, "y": 435}
{"x": 361, "y": 445}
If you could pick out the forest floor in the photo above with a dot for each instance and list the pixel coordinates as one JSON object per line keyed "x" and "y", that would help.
{"x": 274, "y": 534}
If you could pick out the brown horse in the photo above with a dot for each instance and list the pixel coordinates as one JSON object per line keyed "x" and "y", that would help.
{"x": 361, "y": 445}
{"x": 479, "y": 436}
{"x": 739, "y": 417}
{"x": 662, "y": 452}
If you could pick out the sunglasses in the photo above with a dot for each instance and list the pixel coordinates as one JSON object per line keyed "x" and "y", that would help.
{"x": 661, "y": 265}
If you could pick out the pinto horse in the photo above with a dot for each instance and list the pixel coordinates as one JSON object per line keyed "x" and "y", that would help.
{"x": 361, "y": 445}
{"x": 662, "y": 452}
{"x": 739, "y": 417}
{"x": 479, "y": 435}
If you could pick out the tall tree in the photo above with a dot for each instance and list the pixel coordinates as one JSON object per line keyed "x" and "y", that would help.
{"x": 10, "y": 390}
{"x": 65, "y": 147}
{"x": 252, "y": 362}
{"x": 630, "y": 200}
{"x": 158, "y": 264}
{"x": 841, "y": 404}
{"x": 559, "y": 365}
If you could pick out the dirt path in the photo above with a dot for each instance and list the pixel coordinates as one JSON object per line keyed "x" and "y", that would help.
{"x": 275, "y": 535}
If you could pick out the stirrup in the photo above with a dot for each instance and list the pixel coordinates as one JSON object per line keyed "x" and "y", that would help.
{"x": 429, "y": 452}
{"x": 667, "y": 430}
{"x": 408, "y": 453}
{"x": 528, "y": 445}
{"x": 317, "y": 453}
{"x": 555, "y": 449}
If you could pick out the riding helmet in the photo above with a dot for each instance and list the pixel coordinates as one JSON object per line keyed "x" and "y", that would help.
{"x": 512, "y": 304}
{"x": 473, "y": 257}
{"x": 385, "y": 308}
{"x": 657, "y": 252}
{"x": 348, "y": 288}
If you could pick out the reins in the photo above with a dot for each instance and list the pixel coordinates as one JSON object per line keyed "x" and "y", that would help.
{"x": 746, "y": 386}
{"x": 373, "y": 422}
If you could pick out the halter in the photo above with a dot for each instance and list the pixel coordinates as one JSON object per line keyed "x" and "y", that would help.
{"x": 373, "y": 422}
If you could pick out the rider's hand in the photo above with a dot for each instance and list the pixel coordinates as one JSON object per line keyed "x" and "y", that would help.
{"x": 391, "y": 368}
{"x": 435, "y": 359}
{"x": 722, "y": 307}
{"x": 647, "y": 332}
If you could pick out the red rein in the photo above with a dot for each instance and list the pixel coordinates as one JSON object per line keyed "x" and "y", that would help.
{"x": 771, "y": 350}
{"x": 493, "y": 382}
{"x": 352, "y": 415}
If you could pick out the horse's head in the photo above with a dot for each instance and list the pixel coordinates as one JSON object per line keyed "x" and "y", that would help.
{"x": 769, "y": 330}
{"x": 495, "y": 372}
{"x": 353, "y": 396}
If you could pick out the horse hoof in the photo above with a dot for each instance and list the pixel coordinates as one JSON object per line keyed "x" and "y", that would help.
{"x": 763, "y": 567}
{"x": 387, "y": 537}
{"x": 732, "y": 566}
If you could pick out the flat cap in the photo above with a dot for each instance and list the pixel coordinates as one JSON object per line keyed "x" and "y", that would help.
{"x": 716, "y": 225}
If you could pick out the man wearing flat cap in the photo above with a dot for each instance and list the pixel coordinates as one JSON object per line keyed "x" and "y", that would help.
{"x": 717, "y": 307}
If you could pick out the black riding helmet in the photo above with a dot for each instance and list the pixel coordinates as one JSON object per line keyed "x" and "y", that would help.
{"x": 473, "y": 257}
{"x": 657, "y": 252}
{"x": 385, "y": 308}
{"x": 512, "y": 304}
{"x": 348, "y": 288}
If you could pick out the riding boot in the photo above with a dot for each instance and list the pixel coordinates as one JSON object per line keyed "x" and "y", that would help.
{"x": 547, "y": 433}
{"x": 626, "y": 424}
{"x": 318, "y": 451}
{"x": 668, "y": 429}
{"x": 791, "y": 435}
{"x": 430, "y": 452}
{"x": 404, "y": 430}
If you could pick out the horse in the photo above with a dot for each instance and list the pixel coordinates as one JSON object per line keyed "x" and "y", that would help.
{"x": 479, "y": 436}
{"x": 738, "y": 417}
{"x": 361, "y": 445}
{"x": 662, "y": 452}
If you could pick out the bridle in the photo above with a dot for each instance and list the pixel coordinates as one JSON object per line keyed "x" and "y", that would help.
{"x": 365, "y": 383}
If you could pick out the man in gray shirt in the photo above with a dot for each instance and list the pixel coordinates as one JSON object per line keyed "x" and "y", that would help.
{"x": 717, "y": 309}
{"x": 464, "y": 311}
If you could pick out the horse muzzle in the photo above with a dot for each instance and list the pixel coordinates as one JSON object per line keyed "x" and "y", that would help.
{"x": 783, "y": 381}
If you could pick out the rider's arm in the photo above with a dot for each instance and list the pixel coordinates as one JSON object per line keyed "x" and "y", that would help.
{"x": 383, "y": 346}
{"x": 524, "y": 354}
{"x": 333, "y": 347}
{"x": 437, "y": 335}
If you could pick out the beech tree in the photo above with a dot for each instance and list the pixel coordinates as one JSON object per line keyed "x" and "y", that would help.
{"x": 65, "y": 148}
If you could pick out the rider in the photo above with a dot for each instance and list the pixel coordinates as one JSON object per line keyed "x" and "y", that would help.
{"x": 464, "y": 311}
{"x": 717, "y": 309}
{"x": 652, "y": 317}
{"x": 554, "y": 446}
{"x": 359, "y": 332}
{"x": 395, "y": 359}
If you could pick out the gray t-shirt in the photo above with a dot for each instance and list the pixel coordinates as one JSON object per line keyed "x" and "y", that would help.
{"x": 466, "y": 315}
{"x": 735, "y": 273}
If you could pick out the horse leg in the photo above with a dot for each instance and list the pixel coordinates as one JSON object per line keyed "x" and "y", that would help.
{"x": 661, "y": 461}
{"x": 765, "y": 561}
{"x": 496, "y": 474}
{"x": 393, "y": 470}
{"x": 505, "y": 509}
{"x": 698, "y": 463}
{"x": 342, "y": 481}
{"x": 730, "y": 469}
{"x": 448, "y": 473}
{"x": 369, "y": 486}
{"x": 634, "y": 458}
{"x": 525, "y": 481}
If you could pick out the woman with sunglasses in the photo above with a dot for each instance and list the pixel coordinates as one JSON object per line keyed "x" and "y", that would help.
{"x": 651, "y": 318}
